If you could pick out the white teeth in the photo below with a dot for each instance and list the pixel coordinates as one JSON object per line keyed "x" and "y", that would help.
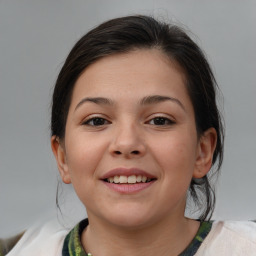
{"x": 116, "y": 179}
{"x": 132, "y": 179}
{"x": 139, "y": 178}
{"x": 144, "y": 179}
{"x": 123, "y": 179}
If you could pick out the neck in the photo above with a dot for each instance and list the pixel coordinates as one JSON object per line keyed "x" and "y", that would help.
{"x": 166, "y": 237}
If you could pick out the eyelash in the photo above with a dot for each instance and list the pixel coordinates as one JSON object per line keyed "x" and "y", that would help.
{"x": 164, "y": 121}
{"x": 100, "y": 121}
{"x": 96, "y": 121}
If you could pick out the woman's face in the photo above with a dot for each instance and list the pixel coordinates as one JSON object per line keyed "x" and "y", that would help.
{"x": 131, "y": 146}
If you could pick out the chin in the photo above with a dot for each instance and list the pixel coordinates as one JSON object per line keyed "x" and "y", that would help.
{"x": 130, "y": 219}
{"x": 130, "y": 222}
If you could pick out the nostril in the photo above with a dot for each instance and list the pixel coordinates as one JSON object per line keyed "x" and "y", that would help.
{"x": 134, "y": 152}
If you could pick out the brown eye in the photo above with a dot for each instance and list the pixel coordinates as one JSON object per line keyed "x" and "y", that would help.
{"x": 96, "y": 121}
{"x": 161, "y": 121}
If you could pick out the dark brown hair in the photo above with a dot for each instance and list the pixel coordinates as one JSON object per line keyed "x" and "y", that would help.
{"x": 124, "y": 34}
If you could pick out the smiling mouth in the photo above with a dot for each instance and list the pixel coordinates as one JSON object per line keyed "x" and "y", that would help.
{"x": 132, "y": 179}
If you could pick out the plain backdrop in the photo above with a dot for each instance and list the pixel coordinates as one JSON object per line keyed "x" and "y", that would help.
{"x": 35, "y": 38}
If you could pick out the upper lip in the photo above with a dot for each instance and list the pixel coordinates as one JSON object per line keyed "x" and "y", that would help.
{"x": 126, "y": 172}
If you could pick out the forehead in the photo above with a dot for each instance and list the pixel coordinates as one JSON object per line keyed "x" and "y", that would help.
{"x": 131, "y": 74}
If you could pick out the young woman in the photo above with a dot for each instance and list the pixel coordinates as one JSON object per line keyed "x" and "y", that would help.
{"x": 136, "y": 130}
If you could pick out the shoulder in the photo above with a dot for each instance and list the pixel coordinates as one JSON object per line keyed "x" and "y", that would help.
{"x": 41, "y": 240}
{"x": 6, "y": 245}
{"x": 230, "y": 238}
{"x": 243, "y": 229}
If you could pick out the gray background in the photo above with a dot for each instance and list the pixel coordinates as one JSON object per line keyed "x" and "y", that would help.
{"x": 35, "y": 38}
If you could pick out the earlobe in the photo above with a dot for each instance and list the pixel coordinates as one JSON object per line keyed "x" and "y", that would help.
{"x": 206, "y": 148}
{"x": 60, "y": 156}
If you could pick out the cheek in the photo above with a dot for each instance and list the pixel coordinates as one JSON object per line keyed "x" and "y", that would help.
{"x": 176, "y": 150}
{"x": 176, "y": 159}
{"x": 83, "y": 155}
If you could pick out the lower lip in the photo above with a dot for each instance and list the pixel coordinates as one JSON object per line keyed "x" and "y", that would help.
{"x": 129, "y": 188}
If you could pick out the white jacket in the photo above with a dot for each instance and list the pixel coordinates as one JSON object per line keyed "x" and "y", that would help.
{"x": 226, "y": 238}
{"x": 230, "y": 238}
{"x": 41, "y": 240}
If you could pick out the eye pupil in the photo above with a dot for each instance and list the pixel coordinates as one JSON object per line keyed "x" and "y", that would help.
{"x": 160, "y": 121}
{"x": 98, "y": 121}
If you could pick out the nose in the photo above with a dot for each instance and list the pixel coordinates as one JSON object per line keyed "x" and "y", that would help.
{"x": 127, "y": 142}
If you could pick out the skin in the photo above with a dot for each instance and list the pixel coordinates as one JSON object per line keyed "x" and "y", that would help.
{"x": 128, "y": 134}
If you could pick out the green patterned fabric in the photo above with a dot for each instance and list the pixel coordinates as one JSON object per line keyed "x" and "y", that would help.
{"x": 72, "y": 243}
{"x": 73, "y": 247}
{"x": 205, "y": 228}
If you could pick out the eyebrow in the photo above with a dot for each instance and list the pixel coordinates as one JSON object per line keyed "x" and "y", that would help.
{"x": 148, "y": 100}
{"x": 96, "y": 100}
{"x": 152, "y": 99}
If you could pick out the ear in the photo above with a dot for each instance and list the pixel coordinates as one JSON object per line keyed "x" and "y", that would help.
{"x": 206, "y": 148}
{"x": 60, "y": 156}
